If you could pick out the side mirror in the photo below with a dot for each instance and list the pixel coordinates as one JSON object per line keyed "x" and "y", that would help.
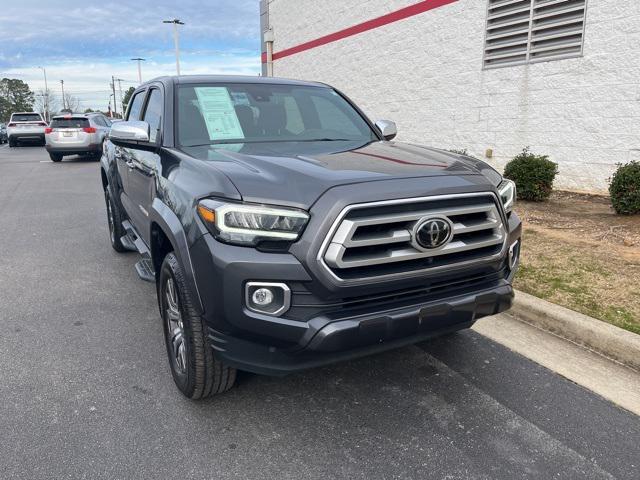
{"x": 129, "y": 134}
{"x": 387, "y": 128}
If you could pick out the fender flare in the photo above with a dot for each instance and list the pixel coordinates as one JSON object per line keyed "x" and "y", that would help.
{"x": 171, "y": 226}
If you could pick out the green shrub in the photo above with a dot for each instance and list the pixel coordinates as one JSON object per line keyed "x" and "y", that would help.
{"x": 625, "y": 189}
{"x": 533, "y": 174}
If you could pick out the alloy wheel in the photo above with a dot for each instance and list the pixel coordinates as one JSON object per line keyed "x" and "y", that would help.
{"x": 175, "y": 327}
{"x": 112, "y": 223}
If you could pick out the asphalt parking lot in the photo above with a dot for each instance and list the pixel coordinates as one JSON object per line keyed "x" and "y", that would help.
{"x": 86, "y": 391}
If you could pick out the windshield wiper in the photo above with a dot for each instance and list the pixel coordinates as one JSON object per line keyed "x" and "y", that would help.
{"x": 325, "y": 140}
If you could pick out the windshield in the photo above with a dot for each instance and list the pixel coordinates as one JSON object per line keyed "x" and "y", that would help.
{"x": 26, "y": 117}
{"x": 252, "y": 113}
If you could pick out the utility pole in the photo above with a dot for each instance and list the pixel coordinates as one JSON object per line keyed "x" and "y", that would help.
{"x": 139, "y": 68}
{"x": 176, "y": 40}
{"x": 120, "y": 80}
{"x": 46, "y": 95}
{"x": 63, "y": 100}
{"x": 115, "y": 104}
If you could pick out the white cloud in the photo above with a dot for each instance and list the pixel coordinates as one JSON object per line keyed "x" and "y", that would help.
{"x": 89, "y": 81}
{"x": 86, "y": 43}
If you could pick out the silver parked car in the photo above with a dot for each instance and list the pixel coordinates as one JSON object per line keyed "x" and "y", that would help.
{"x": 76, "y": 134}
{"x": 25, "y": 127}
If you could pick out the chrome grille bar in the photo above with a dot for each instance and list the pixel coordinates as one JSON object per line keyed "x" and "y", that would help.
{"x": 373, "y": 234}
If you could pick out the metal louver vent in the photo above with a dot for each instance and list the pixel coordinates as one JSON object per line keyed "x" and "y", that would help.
{"x": 527, "y": 31}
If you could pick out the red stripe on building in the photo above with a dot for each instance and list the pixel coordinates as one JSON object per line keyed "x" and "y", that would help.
{"x": 392, "y": 17}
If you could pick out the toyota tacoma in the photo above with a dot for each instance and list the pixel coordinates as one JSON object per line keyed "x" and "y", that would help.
{"x": 284, "y": 230}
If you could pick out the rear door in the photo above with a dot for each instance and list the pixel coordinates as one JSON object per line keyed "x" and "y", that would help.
{"x": 99, "y": 122}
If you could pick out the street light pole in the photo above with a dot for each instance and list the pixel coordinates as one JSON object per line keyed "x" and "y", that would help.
{"x": 63, "y": 100}
{"x": 46, "y": 94}
{"x": 176, "y": 40}
{"x": 139, "y": 68}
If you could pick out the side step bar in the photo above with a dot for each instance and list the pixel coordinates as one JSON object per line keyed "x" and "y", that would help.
{"x": 133, "y": 242}
{"x": 144, "y": 269}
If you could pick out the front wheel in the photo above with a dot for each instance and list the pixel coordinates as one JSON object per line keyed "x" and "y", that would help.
{"x": 195, "y": 370}
{"x": 114, "y": 219}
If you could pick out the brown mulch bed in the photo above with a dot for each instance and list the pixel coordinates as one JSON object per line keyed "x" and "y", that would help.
{"x": 578, "y": 253}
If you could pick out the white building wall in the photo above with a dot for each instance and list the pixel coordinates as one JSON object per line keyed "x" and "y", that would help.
{"x": 425, "y": 72}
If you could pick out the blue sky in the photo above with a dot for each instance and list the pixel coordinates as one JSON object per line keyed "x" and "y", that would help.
{"x": 85, "y": 42}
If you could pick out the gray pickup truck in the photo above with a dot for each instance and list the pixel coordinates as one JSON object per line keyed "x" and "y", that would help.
{"x": 284, "y": 230}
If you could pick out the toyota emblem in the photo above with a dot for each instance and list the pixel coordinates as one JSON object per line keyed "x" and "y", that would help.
{"x": 433, "y": 232}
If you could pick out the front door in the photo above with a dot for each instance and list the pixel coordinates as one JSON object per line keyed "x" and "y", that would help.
{"x": 125, "y": 158}
{"x": 144, "y": 166}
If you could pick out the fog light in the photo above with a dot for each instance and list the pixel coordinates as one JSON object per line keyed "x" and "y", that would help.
{"x": 268, "y": 298}
{"x": 514, "y": 254}
{"x": 262, "y": 297}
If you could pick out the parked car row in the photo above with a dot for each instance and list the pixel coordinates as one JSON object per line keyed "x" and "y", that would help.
{"x": 67, "y": 134}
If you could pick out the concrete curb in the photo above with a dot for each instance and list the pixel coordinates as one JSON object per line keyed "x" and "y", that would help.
{"x": 601, "y": 337}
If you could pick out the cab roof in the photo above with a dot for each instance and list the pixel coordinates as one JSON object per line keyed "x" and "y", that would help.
{"x": 194, "y": 79}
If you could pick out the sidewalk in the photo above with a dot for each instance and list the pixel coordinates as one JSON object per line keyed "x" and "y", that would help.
{"x": 615, "y": 382}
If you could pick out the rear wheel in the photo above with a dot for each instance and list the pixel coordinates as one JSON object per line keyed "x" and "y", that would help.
{"x": 195, "y": 370}
{"x": 114, "y": 219}
{"x": 12, "y": 143}
{"x": 55, "y": 157}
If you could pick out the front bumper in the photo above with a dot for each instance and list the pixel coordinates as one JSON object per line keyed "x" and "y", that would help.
{"x": 325, "y": 324}
{"x": 329, "y": 340}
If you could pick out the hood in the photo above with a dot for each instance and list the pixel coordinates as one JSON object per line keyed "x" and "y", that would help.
{"x": 298, "y": 173}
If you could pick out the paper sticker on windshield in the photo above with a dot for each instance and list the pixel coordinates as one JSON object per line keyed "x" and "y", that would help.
{"x": 218, "y": 112}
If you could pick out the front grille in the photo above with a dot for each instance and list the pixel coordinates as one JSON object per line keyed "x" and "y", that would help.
{"x": 378, "y": 239}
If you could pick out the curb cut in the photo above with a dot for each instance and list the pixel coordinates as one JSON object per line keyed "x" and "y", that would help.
{"x": 596, "y": 335}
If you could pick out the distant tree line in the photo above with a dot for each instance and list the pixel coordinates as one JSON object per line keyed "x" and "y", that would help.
{"x": 16, "y": 96}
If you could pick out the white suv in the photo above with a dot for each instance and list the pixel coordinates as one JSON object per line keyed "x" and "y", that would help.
{"x": 76, "y": 134}
{"x": 25, "y": 126}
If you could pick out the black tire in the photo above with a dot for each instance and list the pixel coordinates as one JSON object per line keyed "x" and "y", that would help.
{"x": 12, "y": 143}
{"x": 195, "y": 370}
{"x": 114, "y": 221}
{"x": 55, "y": 157}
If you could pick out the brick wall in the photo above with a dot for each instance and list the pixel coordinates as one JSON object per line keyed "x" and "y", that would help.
{"x": 425, "y": 72}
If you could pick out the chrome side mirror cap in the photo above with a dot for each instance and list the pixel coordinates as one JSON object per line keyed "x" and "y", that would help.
{"x": 387, "y": 128}
{"x": 125, "y": 132}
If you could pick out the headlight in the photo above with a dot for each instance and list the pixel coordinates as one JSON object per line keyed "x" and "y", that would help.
{"x": 507, "y": 191}
{"x": 248, "y": 224}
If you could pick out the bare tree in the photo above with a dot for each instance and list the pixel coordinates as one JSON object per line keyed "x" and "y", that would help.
{"x": 71, "y": 102}
{"x": 43, "y": 100}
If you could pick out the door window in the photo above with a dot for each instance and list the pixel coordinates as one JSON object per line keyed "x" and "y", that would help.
{"x": 153, "y": 113}
{"x": 136, "y": 107}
